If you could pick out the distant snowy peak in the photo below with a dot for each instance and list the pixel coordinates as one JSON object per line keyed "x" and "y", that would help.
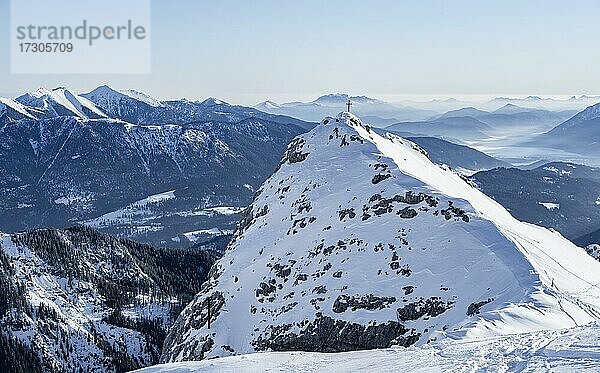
{"x": 212, "y": 101}
{"x": 81, "y": 105}
{"x": 17, "y": 107}
{"x": 140, "y": 96}
{"x": 359, "y": 241}
{"x": 267, "y": 105}
{"x": 528, "y": 98}
{"x": 510, "y": 109}
{"x": 464, "y": 112}
{"x": 536, "y": 98}
{"x": 44, "y": 103}
{"x": 105, "y": 96}
{"x": 103, "y": 91}
{"x": 340, "y": 99}
{"x": 332, "y": 99}
{"x": 547, "y": 103}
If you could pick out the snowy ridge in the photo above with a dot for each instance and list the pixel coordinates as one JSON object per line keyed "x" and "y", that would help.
{"x": 112, "y": 101}
{"x": 360, "y": 234}
{"x": 59, "y": 102}
{"x": 591, "y": 112}
{"x": 97, "y": 169}
{"x": 140, "y": 96}
{"x": 75, "y": 103}
{"x": 16, "y": 106}
{"x": 566, "y": 255}
{"x": 560, "y": 264}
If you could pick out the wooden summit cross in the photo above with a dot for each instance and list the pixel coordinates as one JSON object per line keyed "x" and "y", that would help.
{"x": 349, "y": 104}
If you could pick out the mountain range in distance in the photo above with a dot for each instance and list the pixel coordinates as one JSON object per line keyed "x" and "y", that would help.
{"x": 530, "y": 102}
{"x": 162, "y": 171}
{"x": 170, "y": 173}
{"x": 380, "y": 113}
{"x": 471, "y": 125}
{"x": 517, "y": 135}
{"x": 505, "y": 128}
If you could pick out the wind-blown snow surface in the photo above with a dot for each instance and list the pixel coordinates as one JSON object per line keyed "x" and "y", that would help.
{"x": 358, "y": 241}
{"x": 565, "y": 350}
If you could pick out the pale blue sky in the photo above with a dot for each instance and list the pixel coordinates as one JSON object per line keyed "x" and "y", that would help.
{"x": 247, "y": 51}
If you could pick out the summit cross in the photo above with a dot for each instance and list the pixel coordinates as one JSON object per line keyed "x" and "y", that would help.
{"x": 349, "y": 104}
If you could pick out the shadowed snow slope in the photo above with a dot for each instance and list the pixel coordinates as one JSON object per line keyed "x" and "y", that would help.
{"x": 359, "y": 242}
{"x": 562, "y": 350}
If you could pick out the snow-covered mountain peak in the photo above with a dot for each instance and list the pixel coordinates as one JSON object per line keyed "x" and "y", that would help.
{"x": 32, "y": 99}
{"x": 359, "y": 241}
{"x": 332, "y": 99}
{"x": 212, "y": 101}
{"x": 20, "y": 109}
{"x": 140, "y": 96}
{"x": 343, "y": 117}
{"x": 40, "y": 92}
{"x": 270, "y": 104}
{"x": 60, "y": 101}
{"x": 107, "y": 95}
{"x": 340, "y": 99}
{"x": 104, "y": 90}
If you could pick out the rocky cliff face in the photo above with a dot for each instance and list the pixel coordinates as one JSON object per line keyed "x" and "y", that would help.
{"x": 358, "y": 241}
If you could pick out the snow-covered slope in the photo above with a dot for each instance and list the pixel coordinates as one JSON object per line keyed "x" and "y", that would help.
{"x": 570, "y": 350}
{"x": 80, "y": 300}
{"x": 141, "y": 96}
{"x": 127, "y": 105}
{"x": 60, "y": 102}
{"x": 18, "y": 109}
{"x": 458, "y": 157}
{"x": 358, "y": 241}
{"x": 562, "y": 196}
